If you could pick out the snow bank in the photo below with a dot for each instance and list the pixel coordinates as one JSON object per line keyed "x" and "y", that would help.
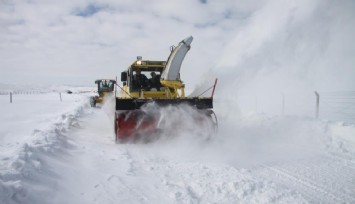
{"x": 34, "y": 126}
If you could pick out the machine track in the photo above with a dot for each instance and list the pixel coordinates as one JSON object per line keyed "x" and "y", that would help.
{"x": 321, "y": 179}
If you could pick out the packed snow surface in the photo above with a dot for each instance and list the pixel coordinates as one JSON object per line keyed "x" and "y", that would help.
{"x": 56, "y": 151}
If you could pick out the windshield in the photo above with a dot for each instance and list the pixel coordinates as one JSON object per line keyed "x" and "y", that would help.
{"x": 148, "y": 80}
{"x": 106, "y": 85}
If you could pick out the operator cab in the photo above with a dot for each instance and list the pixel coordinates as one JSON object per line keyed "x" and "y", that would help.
{"x": 143, "y": 76}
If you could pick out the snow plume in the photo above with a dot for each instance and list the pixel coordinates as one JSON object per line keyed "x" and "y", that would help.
{"x": 284, "y": 51}
{"x": 181, "y": 122}
{"x": 109, "y": 105}
{"x": 291, "y": 48}
{"x": 205, "y": 87}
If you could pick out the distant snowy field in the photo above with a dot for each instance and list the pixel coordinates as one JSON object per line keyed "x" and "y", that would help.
{"x": 55, "y": 151}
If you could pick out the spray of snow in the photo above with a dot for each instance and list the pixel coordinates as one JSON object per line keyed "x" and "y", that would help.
{"x": 286, "y": 51}
{"x": 290, "y": 49}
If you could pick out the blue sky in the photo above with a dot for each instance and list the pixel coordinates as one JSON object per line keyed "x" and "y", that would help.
{"x": 254, "y": 44}
{"x": 90, "y": 10}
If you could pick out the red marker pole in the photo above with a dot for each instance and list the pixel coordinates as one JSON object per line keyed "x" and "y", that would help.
{"x": 214, "y": 87}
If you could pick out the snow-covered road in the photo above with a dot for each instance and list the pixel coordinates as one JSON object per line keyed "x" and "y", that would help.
{"x": 101, "y": 171}
{"x": 320, "y": 179}
{"x": 254, "y": 159}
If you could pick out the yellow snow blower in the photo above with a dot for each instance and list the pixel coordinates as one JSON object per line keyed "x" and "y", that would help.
{"x": 157, "y": 82}
{"x": 104, "y": 88}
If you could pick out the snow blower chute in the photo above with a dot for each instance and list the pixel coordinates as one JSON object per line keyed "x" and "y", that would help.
{"x": 163, "y": 87}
